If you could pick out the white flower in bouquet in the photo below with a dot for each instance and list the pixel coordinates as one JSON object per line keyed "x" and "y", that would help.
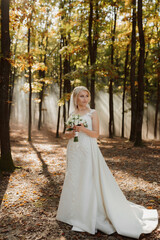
{"x": 75, "y": 120}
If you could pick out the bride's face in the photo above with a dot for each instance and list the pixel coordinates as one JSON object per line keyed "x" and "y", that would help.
{"x": 83, "y": 98}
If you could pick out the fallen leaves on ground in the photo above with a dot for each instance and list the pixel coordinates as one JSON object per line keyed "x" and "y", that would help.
{"x": 29, "y": 196}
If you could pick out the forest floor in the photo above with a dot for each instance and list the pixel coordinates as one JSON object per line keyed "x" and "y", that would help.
{"x": 29, "y": 196}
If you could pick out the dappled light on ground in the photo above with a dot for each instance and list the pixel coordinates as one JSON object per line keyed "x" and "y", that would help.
{"x": 30, "y": 195}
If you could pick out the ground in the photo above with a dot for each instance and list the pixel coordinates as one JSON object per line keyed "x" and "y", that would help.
{"x": 29, "y": 196}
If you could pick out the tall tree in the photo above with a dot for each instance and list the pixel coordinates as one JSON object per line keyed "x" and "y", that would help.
{"x": 30, "y": 83}
{"x": 124, "y": 88}
{"x": 93, "y": 36}
{"x": 132, "y": 73}
{"x": 60, "y": 93}
{"x": 65, "y": 36}
{"x": 30, "y": 63}
{"x": 158, "y": 97}
{"x": 111, "y": 111}
{"x": 42, "y": 74}
{"x": 140, "y": 96}
{"x": 6, "y": 162}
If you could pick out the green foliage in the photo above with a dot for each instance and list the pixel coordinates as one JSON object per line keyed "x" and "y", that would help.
{"x": 61, "y": 28}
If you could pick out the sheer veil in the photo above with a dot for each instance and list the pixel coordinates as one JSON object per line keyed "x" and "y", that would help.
{"x": 72, "y": 106}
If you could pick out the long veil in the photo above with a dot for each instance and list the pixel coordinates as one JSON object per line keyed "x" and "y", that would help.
{"x": 71, "y": 105}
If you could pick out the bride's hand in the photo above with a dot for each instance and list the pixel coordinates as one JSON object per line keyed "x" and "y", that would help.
{"x": 80, "y": 128}
{"x": 70, "y": 134}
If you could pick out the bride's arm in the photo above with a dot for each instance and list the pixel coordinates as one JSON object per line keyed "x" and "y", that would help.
{"x": 95, "y": 127}
{"x": 69, "y": 134}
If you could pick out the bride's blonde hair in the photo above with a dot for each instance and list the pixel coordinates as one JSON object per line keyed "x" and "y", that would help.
{"x": 75, "y": 93}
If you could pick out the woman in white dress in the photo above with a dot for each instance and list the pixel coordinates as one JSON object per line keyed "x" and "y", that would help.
{"x": 91, "y": 199}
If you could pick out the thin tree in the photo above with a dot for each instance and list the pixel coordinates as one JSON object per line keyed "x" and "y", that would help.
{"x": 158, "y": 86}
{"x": 66, "y": 62}
{"x": 140, "y": 96}
{"x": 132, "y": 73}
{"x": 60, "y": 94}
{"x": 157, "y": 102}
{"x": 111, "y": 111}
{"x": 30, "y": 85}
{"x": 93, "y": 36}
{"x": 41, "y": 94}
{"x": 6, "y": 162}
{"x": 124, "y": 88}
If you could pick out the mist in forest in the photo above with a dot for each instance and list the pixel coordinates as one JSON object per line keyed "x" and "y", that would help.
{"x": 19, "y": 113}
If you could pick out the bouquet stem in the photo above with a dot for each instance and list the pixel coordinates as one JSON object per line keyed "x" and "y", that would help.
{"x": 76, "y": 137}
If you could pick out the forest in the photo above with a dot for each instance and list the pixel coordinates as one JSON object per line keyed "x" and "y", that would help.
{"x": 109, "y": 46}
{"x": 49, "y": 47}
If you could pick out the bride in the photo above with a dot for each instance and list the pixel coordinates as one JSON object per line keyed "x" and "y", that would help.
{"x": 91, "y": 199}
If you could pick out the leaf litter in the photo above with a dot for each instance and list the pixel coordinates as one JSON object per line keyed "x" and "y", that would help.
{"x": 29, "y": 196}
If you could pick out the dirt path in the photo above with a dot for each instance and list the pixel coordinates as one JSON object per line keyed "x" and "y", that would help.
{"x": 29, "y": 197}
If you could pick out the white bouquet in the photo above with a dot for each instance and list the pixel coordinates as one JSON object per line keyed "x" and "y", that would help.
{"x": 75, "y": 120}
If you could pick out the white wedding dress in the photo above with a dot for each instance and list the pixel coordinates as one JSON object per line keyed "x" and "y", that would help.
{"x": 91, "y": 199}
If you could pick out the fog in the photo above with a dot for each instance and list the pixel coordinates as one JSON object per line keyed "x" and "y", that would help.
{"x": 19, "y": 113}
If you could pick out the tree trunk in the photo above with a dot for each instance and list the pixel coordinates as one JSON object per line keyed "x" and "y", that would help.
{"x": 157, "y": 105}
{"x": 111, "y": 110}
{"x": 42, "y": 74}
{"x": 147, "y": 121}
{"x": 92, "y": 90}
{"x": 140, "y": 97}
{"x": 158, "y": 91}
{"x": 30, "y": 88}
{"x": 87, "y": 77}
{"x": 132, "y": 74}
{"x": 92, "y": 45}
{"x": 41, "y": 94}
{"x": 11, "y": 88}
{"x": 111, "y": 121}
{"x": 124, "y": 89}
{"x": 6, "y": 162}
{"x": 67, "y": 84}
{"x": 60, "y": 95}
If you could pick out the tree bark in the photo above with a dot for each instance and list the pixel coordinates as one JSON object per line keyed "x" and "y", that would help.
{"x": 111, "y": 110}
{"x": 140, "y": 97}
{"x": 60, "y": 95}
{"x": 132, "y": 73}
{"x": 11, "y": 89}
{"x": 87, "y": 77}
{"x": 124, "y": 89}
{"x": 157, "y": 104}
{"x": 41, "y": 94}
{"x": 66, "y": 62}
{"x": 67, "y": 83}
{"x": 6, "y": 162}
{"x": 92, "y": 45}
{"x": 30, "y": 88}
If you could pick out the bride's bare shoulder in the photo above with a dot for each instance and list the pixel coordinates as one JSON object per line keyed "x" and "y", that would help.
{"x": 94, "y": 113}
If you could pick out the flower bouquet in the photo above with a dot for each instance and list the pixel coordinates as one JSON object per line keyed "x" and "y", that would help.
{"x": 75, "y": 120}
